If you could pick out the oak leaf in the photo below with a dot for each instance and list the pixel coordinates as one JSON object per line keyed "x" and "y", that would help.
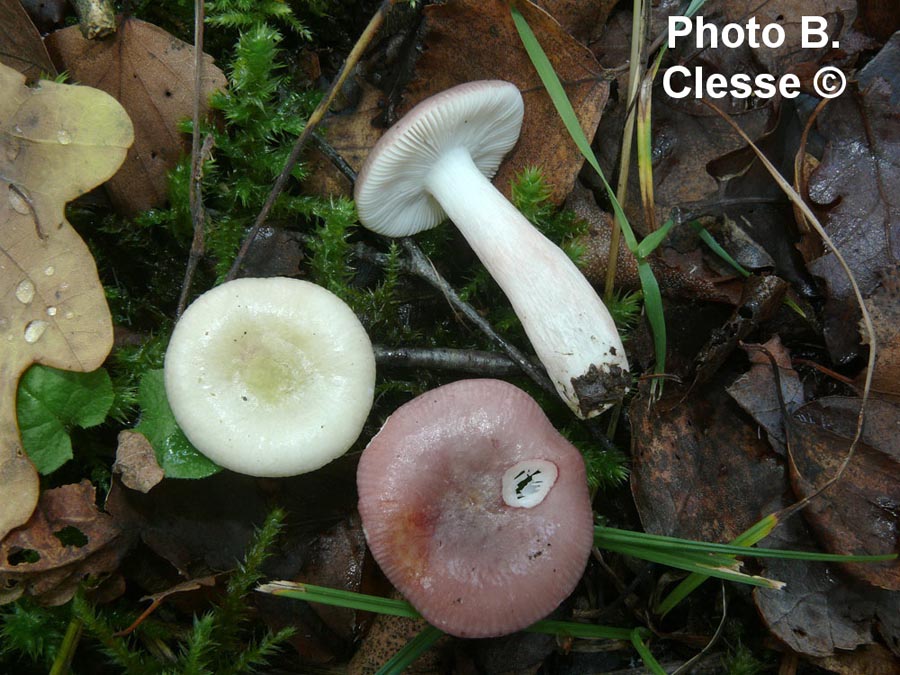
{"x": 151, "y": 73}
{"x": 57, "y": 142}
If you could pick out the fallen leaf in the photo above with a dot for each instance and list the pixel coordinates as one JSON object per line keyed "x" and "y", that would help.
{"x": 57, "y": 142}
{"x": 700, "y": 469}
{"x": 46, "y": 14}
{"x": 21, "y": 46}
{"x": 50, "y": 402}
{"x": 789, "y": 14}
{"x": 679, "y": 275}
{"x": 582, "y": 19}
{"x": 820, "y": 611}
{"x": 352, "y": 135}
{"x": 66, "y": 539}
{"x": 881, "y": 18}
{"x": 884, "y": 308}
{"x": 860, "y": 514}
{"x": 756, "y": 393}
{"x": 150, "y": 72}
{"x": 762, "y": 298}
{"x": 854, "y": 190}
{"x": 136, "y": 462}
{"x": 386, "y": 637}
{"x": 873, "y": 659}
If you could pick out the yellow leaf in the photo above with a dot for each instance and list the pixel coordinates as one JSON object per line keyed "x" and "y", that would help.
{"x": 57, "y": 141}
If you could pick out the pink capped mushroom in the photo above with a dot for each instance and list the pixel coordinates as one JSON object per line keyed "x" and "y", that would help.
{"x": 476, "y": 508}
{"x": 437, "y": 162}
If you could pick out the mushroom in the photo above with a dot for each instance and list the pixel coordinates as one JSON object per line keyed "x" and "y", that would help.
{"x": 436, "y": 162}
{"x": 476, "y": 508}
{"x": 270, "y": 377}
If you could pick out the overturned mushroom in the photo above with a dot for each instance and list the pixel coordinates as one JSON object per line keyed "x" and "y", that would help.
{"x": 475, "y": 508}
{"x": 435, "y": 163}
{"x": 270, "y": 377}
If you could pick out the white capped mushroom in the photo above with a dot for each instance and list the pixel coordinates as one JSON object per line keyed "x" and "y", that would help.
{"x": 436, "y": 162}
{"x": 270, "y": 377}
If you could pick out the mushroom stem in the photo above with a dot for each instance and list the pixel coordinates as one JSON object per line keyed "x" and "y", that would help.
{"x": 568, "y": 325}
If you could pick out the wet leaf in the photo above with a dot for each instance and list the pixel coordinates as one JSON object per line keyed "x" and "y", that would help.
{"x": 679, "y": 275}
{"x": 56, "y": 142}
{"x": 582, "y": 19}
{"x": 21, "y": 46}
{"x": 700, "y": 469}
{"x": 855, "y": 188}
{"x": 884, "y": 308}
{"x": 150, "y": 72}
{"x": 762, "y": 298}
{"x": 66, "y": 539}
{"x": 756, "y": 393}
{"x": 174, "y": 452}
{"x": 788, "y": 14}
{"x": 821, "y": 611}
{"x": 136, "y": 462}
{"x": 50, "y": 402}
{"x": 46, "y": 14}
{"x": 860, "y": 514}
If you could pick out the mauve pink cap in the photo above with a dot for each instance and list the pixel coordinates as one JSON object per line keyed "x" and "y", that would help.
{"x": 430, "y": 497}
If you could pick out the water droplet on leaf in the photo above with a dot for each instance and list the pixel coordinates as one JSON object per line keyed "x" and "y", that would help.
{"x": 25, "y": 291}
{"x": 34, "y": 330}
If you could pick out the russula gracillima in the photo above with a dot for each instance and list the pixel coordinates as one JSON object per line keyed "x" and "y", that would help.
{"x": 437, "y": 162}
{"x": 476, "y": 508}
{"x": 270, "y": 377}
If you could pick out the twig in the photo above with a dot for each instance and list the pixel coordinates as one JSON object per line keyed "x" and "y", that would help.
{"x": 97, "y": 18}
{"x": 472, "y": 361}
{"x": 423, "y": 268}
{"x": 195, "y": 189}
{"x": 314, "y": 119}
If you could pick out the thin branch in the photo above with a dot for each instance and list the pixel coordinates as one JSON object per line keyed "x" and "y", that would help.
{"x": 471, "y": 361}
{"x": 195, "y": 194}
{"x": 314, "y": 119}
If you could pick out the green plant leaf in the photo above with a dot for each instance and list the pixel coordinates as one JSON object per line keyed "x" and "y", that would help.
{"x": 174, "y": 452}
{"x": 50, "y": 403}
{"x": 653, "y": 240}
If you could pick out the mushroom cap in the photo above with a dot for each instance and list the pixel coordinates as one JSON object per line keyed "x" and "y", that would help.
{"x": 433, "y": 497}
{"x": 270, "y": 377}
{"x": 483, "y": 116}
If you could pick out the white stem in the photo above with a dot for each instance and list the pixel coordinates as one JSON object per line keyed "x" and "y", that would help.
{"x": 568, "y": 325}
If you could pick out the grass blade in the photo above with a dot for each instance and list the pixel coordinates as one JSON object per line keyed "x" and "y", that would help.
{"x": 411, "y": 651}
{"x": 372, "y": 603}
{"x": 652, "y": 296}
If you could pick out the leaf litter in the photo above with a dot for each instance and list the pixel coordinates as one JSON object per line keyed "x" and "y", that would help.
{"x": 56, "y": 142}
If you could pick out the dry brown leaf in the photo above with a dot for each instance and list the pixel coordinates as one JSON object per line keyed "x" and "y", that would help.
{"x": 884, "y": 308}
{"x": 57, "y": 141}
{"x": 21, "y": 46}
{"x": 859, "y": 514}
{"x": 582, "y": 19}
{"x": 700, "y": 471}
{"x": 755, "y": 390}
{"x": 150, "y": 72}
{"x": 136, "y": 462}
{"x": 66, "y": 539}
